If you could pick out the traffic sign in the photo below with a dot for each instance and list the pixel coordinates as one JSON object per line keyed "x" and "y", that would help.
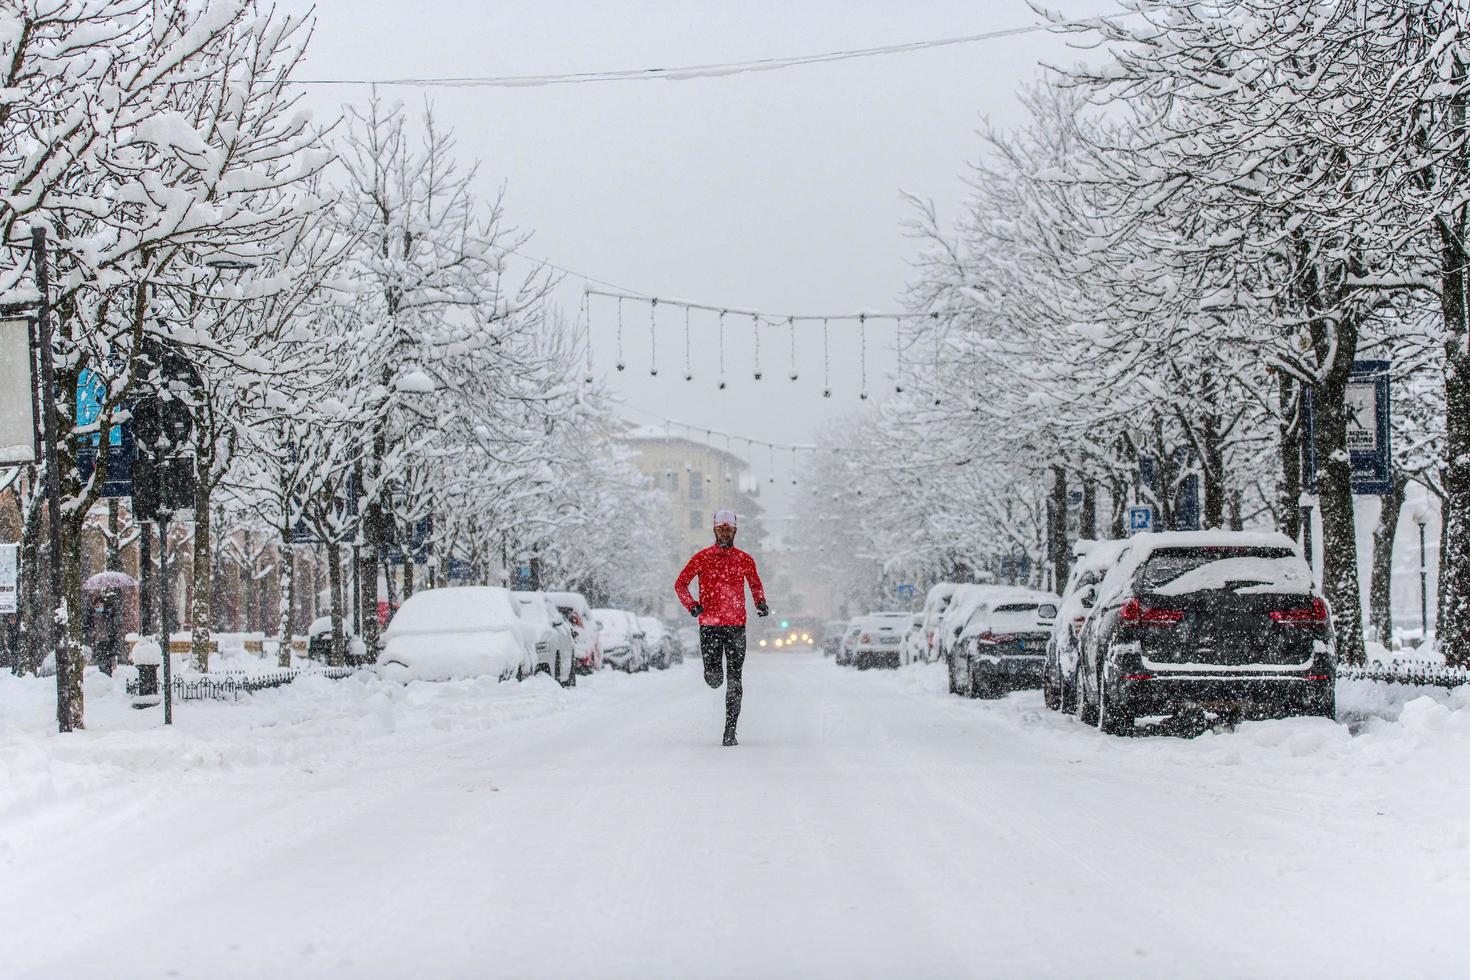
{"x": 1140, "y": 519}
{"x": 907, "y": 590}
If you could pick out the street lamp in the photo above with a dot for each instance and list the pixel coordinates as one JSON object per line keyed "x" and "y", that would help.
{"x": 1421, "y": 517}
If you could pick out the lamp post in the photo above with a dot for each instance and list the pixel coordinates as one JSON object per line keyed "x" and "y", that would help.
{"x": 1421, "y": 517}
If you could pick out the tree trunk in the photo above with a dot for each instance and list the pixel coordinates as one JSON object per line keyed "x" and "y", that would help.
{"x": 70, "y": 661}
{"x": 1119, "y": 495}
{"x": 338, "y": 656}
{"x": 1089, "y": 510}
{"x": 1213, "y": 464}
{"x": 203, "y": 573}
{"x": 1452, "y": 624}
{"x": 1061, "y": 552}
{"x": 1380, "y": 587}
{"x": 1289, "y": 479}
{"x": 1335, "y": 498}
{"x": 286, "y": 562}
{"x": 114, "y": 536}
{"x": 408, "y": 577}
{"x": 1237, "y": 523}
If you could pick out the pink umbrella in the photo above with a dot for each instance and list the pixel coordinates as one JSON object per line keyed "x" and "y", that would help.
{"x": 109, "y": 580}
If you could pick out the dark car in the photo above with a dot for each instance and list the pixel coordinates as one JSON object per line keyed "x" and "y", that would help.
{"x": 1003, "y": 645}
{"x": 1226, "y": 623}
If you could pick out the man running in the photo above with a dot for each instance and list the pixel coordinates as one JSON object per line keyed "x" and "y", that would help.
{"x": 722, "y": 571}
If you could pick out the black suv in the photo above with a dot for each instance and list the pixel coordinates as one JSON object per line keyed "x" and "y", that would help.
{"x": 1226, "y": 623}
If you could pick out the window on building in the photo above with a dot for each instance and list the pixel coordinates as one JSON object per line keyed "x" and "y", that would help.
{"x": 696, "y": 485}
{"x": 671, "y": 481}
{"x": 694, "y": 520}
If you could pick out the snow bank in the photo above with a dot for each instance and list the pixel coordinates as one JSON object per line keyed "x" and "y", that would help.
{"x": 312, "y": 721}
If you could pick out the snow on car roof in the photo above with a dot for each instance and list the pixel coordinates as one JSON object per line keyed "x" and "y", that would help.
{"x": 574, "y": 600}
{"x": 1144, "y": 545}
{"x": 463, "y": 608}
{"x": 1253, "y": 575}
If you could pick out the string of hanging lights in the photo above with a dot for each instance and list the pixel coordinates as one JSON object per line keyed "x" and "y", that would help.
{"x": 758, "y": 319}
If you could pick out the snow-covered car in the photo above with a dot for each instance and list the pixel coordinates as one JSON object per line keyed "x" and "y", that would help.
{"x": 575, "y": 610}
{"x": 555, "y": 648}
{"x": 879, "y": 640}
{"x": 1092, "y": 561}
{"x": 912, "y": 649}
{"x": 1223, "y": 623}
{"x": 935, "y": 603}
{"x": 849, "y": 637}
{"x": 832, "y": 634}
{"x": 458, "y": 632}
{"x": 1003, "y": 646}
{"x": 688, "y": 640}
{"x": 963, "y": 602}
{"x": 621, "y": 636}
{"x": 659, "y": 642}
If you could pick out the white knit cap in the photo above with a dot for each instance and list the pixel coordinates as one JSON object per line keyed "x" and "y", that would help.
{"x": 725, "y": 517}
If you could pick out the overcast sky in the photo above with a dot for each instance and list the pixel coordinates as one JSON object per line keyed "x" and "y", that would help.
{"x": 778, "y": 191}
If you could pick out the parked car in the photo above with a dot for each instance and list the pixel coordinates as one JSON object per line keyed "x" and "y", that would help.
{"x": 661, "y": 645}
{"x": 964, "y": 600}
{"x": 832, "y": 637}
{"x": 912, "y": 649}
{"x": 879, "y": 640}
{"x": 555, "y": 648}
{"x": 1226, "y": 623}
{"x": 688, "y": 640}
{"x": 935, "y": 603}
{"x": 1093, "y": 560}
{"x": 575, "y": 610}
{"x": 844, "y": 649}
{"x": 622, "y": 640}
{"x": 1003, "y": 646}
{"x": 459, "y": 632}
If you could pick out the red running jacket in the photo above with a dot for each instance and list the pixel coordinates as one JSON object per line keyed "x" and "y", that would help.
{"x": 722, "y": 574}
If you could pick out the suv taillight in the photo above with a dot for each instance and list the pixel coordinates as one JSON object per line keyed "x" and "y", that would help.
{"x": 1304, "y": 615}
{"x": 1136, "y": 612}
{"x": 864, "y": 639}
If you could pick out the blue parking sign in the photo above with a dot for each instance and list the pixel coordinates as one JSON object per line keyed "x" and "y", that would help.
{"x": 1140, "y": 519}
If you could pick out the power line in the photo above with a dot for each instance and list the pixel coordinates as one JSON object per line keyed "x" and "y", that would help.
{"x": 713, "y": 70}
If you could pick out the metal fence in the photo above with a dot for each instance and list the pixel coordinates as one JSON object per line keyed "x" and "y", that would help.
{"x": 1427, "y": 673}
{"x": 229, "y": 686}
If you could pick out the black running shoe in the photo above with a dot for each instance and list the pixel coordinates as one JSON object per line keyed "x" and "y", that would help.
{"x": 730, "y": 739}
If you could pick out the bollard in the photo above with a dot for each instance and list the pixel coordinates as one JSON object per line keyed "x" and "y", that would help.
{"x": 147, "y": 657}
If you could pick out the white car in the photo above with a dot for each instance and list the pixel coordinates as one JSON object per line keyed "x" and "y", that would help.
{"x": 1093, "y": 559}
{"x": 555, "y": 648}
{"x": 935, "y": 603}
{"x": 1003, "y": 645}
{"x": 913, "y": 649}
{"x": 659, "y": 642}
{"x": 956, "y": 616}
{"x": 455, "y": 633}
{"x": 879, "y": 640}
{"x": 575, "y": 610}
{"x": 622, "y": 639}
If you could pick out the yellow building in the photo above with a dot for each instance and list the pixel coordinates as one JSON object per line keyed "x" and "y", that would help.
{"x": 698, "y": 479}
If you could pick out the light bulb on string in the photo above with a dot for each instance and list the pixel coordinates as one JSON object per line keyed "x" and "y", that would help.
{"x": 793, "y": 466}
{"x": 772, "y": 450}
{"x": 621, "y": 365}
{"x": 863, "y": 355}
{"x": 898, "y": 341}
{"x": 826, "y": 359}
{"x": 755, "y": 324}
{"x": 938, "y": 357}
{"x": 791, "y": 326}
{"x": 722, "y": 350}
{"x": 586, "y": 315}
{"x": 653, "y": 337}
{"x": 688, "y": 369}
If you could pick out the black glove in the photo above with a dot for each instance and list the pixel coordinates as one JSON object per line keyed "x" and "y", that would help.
{"x": 696, "y": 610}
{"x": 761, "y": 609}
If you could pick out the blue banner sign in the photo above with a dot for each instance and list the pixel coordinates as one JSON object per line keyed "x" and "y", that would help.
{"x": 1369, "y": 431}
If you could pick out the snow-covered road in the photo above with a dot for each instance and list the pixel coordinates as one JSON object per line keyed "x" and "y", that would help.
{"x": 867, "y": 826}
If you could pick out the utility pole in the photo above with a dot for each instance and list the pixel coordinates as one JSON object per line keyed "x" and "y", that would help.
{"x": 68, "y": 706}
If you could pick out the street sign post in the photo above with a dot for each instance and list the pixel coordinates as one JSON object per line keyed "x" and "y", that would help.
{"x": 906, "y": 591}
{"x": 1140, "y": 520}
